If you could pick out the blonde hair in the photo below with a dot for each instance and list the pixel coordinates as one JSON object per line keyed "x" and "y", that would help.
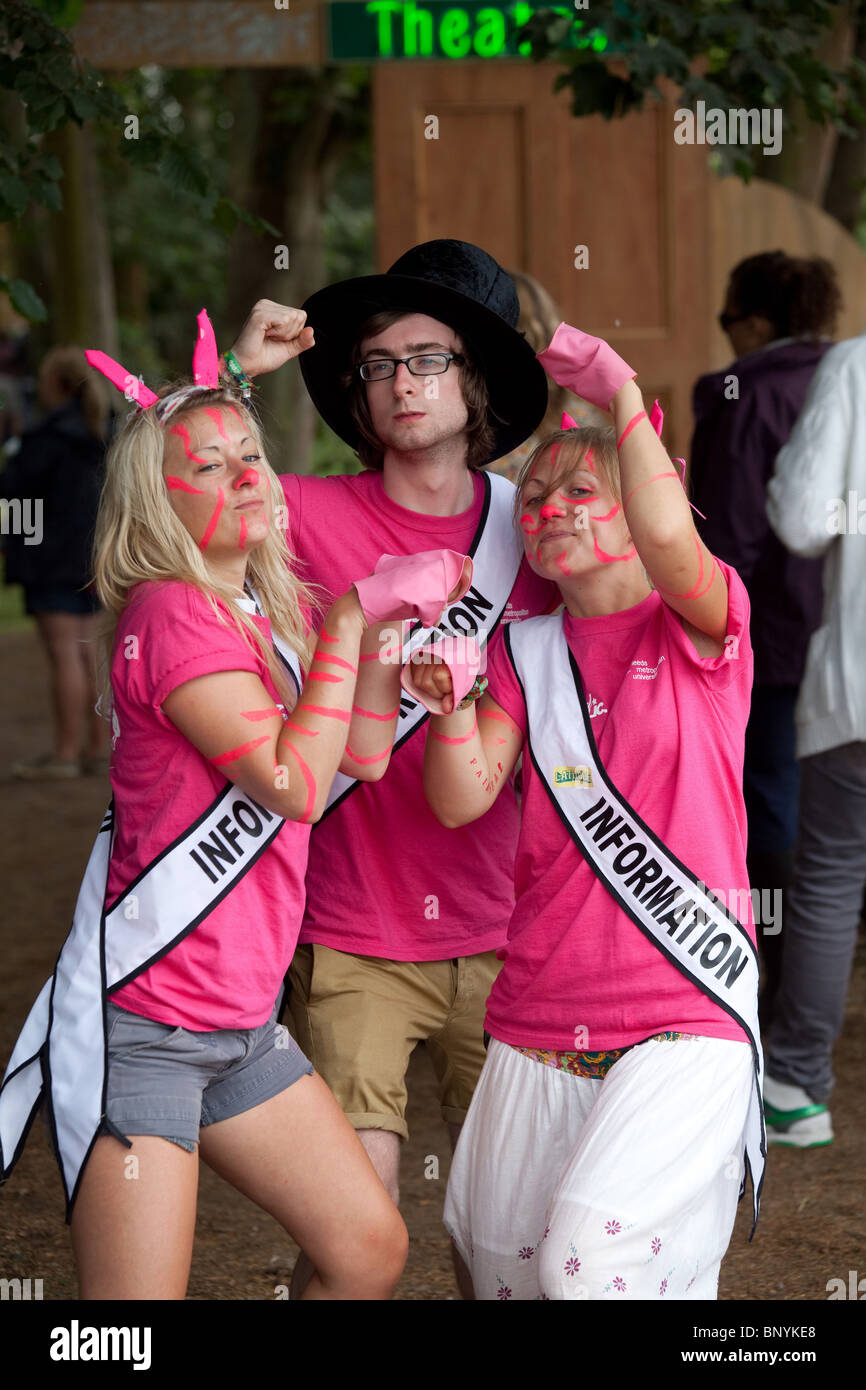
{"x": 574, "y": 445}
{"x": 139, "y": 538}
{"x": 72, "y": 374}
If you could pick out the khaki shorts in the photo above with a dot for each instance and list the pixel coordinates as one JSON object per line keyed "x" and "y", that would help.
{"x": 358, "y": 1019}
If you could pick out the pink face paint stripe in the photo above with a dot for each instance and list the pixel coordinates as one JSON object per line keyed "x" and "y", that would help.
{"x": 601, "y": 555}
{"x": 695, "y": 591}
{"x": 329, "y": 713}
{"x": 217, "y": 417}
{"x": 373, "y": 657}
{"x": 248, "y": 476}
{"x": 310, "y": 781}
{"x": 377, "y": 758}
{"x": 178, "y": 485}
{"x": 313, "y": 733}
{"x": 212, "y": 524}
{"x": 371, "y": 714}
{"x": 336, "y": 661}
{"x": 257, "y": 714}
{"x": 183, "y": 434}
{"x": 635, "y": 420}
{"x": 646, "y": 482}
{"x": 242, "y": 538}
{"x": 465, "y": 739}
{"x": 494, "y": 714}
{"x": 239, "y": 752}
{"x": 326, "y": 637}
{"x": 327, "y": 677}
{"x": 610, "y": 515}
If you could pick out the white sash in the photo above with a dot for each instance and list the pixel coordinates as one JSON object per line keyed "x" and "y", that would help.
{"x": 664, "y": 899}
{"x": 496, "y": 551}
{"x": 62, "y": 1048}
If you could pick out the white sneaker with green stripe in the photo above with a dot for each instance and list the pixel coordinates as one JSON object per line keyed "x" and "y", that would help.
{"x": 793, "y": 1119}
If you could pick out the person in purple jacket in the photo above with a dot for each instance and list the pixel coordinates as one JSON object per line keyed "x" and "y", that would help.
{"x": 778, "y": 312}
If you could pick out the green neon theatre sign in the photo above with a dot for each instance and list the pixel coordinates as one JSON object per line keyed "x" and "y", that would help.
{"x": 371, "y": 29}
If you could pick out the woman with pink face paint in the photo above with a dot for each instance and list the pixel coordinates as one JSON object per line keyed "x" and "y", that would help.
{"x": 619, "y": 1109}
{"x": 230, "y": 718}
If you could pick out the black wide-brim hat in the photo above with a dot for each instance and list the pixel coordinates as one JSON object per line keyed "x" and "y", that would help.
{"x": 461, "y": 286}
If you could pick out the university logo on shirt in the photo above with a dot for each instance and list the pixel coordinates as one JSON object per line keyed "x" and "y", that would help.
{"x": 579, "y": 776}
{"x": 642, "y": 671}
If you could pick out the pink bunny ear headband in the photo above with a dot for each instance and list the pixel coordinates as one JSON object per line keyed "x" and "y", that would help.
{"x": 656, "y": 419}
{"x": 205, "y": 371}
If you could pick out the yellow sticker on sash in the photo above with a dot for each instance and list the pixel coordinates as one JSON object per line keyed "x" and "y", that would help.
{"x": 580, "y": 776}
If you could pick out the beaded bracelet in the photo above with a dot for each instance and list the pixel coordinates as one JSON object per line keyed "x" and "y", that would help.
{"x": 475, "y": 693}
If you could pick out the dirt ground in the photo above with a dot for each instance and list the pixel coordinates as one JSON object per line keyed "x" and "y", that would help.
{"x": 812, "y": 1222}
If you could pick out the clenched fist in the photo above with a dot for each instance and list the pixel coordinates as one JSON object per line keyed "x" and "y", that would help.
{"x": 273, "y": 334}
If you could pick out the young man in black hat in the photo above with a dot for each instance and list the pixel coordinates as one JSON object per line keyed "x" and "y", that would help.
{"x": 422, "y": 371}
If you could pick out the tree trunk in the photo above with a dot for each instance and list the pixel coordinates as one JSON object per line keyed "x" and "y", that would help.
{"x": 82, "y": 280}
{"x": 806, "y": 159}
{"x": 287, "y": 181}
{"x": 844, "y": 195}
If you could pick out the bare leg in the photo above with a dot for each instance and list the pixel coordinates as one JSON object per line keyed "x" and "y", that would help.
{"x": 383, "y": 1150}
{"x": 133, "y": 1225}
{"x": 299, "y": 1159}
{"x": 61, "y": 633}
{"x": 96, "y": 728}
{"x": 461, "y": 1271}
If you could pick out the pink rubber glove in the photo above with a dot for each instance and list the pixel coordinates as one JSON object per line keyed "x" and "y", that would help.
{"x": 414, "y": 586}
{"x": 587, "y": 366}
{"x": 462, "y": 657}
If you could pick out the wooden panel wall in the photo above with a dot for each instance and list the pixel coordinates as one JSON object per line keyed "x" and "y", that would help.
{"x": 513, "y": 171}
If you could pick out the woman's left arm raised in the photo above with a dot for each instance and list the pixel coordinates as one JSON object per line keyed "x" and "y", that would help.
{"x": 659, "y": 518}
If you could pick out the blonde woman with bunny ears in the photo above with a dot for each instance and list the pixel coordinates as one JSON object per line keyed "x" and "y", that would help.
{"x": 157, "y": 1040}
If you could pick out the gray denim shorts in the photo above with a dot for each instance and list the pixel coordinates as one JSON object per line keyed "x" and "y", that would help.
{"x": 169, "y": 1082}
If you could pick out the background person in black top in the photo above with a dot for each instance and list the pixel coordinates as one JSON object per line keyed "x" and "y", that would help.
{"x": 56, "y": 476}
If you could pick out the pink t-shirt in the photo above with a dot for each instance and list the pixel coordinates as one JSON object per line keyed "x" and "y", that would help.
{"x": 226, "y": 973}
{"x": 385, "y": 878}
{"x": 669, "y": 726}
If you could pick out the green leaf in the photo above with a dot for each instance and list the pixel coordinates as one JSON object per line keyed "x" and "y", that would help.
{"x": 181, "y": 169}
{"x": 24, "y": 299}
{"x": 84, "y": 106}
{"x": 14, "y": 193}
{"x": 47, "y": 192}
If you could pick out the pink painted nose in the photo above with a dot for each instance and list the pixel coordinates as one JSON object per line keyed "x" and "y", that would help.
{"x": 549, "y": 510}
{"x": 248, "y": 476}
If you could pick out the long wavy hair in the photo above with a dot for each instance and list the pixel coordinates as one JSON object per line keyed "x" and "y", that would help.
{"x": 138, "y": 538}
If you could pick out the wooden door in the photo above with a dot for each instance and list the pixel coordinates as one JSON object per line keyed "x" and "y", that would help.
{"x": 506, "y": 165}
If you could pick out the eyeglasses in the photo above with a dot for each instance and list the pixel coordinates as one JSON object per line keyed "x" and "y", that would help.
{"x": 424, "y": 364}
{"x": 725, "y": 320}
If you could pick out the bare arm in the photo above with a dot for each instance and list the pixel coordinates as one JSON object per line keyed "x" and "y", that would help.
{"x": 286, "y": 766}
{"x": 469, "y": 754}
{"x": 660, "y": 521}
{"x": 376, "y": 706}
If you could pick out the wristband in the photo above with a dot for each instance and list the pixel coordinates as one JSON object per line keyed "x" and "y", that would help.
{"x": 238, "y": 375}
{"x": 475, "y": 693}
